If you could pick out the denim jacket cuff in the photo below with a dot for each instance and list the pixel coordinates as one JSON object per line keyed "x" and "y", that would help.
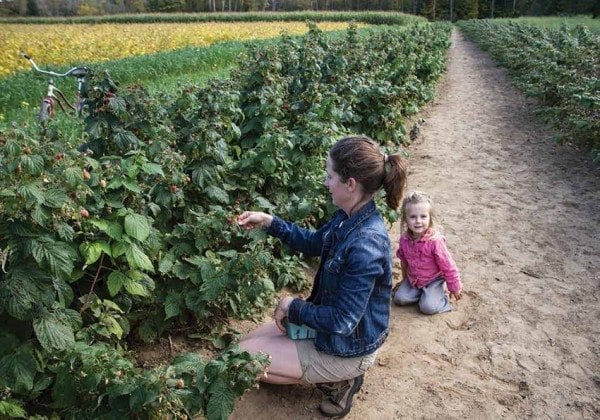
{"x": 294, "y": 311}
{"x": 276, "y": 227}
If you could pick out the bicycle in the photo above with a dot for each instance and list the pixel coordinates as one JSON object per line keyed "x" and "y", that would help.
{"x": 56, "y": 96}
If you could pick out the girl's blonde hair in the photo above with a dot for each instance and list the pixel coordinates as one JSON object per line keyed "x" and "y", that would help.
{"x": 417, "y": 197}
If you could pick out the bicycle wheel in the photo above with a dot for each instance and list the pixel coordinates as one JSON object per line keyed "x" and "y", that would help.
{"x": 46, "y": 109}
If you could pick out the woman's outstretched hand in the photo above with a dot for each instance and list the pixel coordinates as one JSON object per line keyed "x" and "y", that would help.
{"x": 254, "y": 219}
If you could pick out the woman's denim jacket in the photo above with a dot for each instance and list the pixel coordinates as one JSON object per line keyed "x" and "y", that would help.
{"x": 349, "y": 305}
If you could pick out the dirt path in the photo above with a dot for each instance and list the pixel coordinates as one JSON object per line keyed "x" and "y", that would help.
{"x": 522, "y": 218}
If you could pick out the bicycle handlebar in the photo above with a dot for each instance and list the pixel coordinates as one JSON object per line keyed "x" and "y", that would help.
{"x": 75, "y": 71}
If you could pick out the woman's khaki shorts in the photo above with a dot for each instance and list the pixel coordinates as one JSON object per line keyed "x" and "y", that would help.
{"x": 320, "y": 367}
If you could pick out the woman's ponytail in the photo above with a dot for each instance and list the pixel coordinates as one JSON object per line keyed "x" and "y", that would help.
{"x": 360, "y": 157}
{"x": 394, "y": 182}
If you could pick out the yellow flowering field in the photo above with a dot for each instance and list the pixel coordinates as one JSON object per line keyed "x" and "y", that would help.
{"x": 85, "y": 43}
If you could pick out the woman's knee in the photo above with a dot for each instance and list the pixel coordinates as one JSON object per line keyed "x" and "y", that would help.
{"x": 249, "y": 344}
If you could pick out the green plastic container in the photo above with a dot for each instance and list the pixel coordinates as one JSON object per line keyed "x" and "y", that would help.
{"x": 299, "y": 332}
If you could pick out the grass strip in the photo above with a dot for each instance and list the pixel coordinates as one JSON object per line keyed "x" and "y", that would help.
{"x": 21, "y": 94}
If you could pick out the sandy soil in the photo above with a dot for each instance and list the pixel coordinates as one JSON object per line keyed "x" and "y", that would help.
{"x": 522, "y": 219}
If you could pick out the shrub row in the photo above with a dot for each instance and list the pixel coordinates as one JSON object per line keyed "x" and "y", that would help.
{"x": 557, "y": 66}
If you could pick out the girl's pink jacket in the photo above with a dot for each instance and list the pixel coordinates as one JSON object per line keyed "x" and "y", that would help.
{"x": 427, "y": 259}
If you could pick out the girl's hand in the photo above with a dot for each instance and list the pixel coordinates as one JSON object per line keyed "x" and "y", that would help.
{"x": 457, "y": 295}
{"x": 254, "y": 219}
{"x": 281, "y": 312}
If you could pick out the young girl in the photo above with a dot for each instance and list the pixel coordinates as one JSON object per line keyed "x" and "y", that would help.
{"x": 425, "y": 260}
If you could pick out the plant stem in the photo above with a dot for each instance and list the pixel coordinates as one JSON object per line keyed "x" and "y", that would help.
{"x": 87, "y": 299}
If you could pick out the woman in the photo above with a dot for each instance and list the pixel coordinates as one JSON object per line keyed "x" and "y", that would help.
{"x": 350, "y": 301}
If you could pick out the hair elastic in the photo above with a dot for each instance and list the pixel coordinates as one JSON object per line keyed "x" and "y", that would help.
{"x": 386, "y": 163}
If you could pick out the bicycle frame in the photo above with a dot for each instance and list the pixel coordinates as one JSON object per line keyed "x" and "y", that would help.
{"x": 55, "y": 95}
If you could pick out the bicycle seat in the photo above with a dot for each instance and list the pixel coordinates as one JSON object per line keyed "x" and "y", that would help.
{"x": 80, "y": 72}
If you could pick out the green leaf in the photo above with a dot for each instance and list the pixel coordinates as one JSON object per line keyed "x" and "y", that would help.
{"x": 11, "y": 409}
{"x": 137, "y": 225}
{"x": 217, "y": 194}
{"x": 269, "y": 165}
{"x": 212, "y": 287}
{"x": 154, "y": 208}
{"x": 7, "y": 193}
{"x": 188, "y": 362}
{"x": 132, "y": 186}
{"x": 112, "y": 229}
{"x": 268, "y": 284}
{"x": 140, "y": 397}
{"x": 166, "y": 263}
{"x": 147, "y": 331}
{"x": 63, "y": 290}
{"x": 114, "y": 184}
{"x": 119, "y": 249}
{"x": 94, "y": 127}
{"x": 104, "y": 246}
{"x": 112, "y": 326}
{"x": 133, "y": 287}
{"x": 27, "y": 286}
{"x": 173, "y": 305}
{"x": 65, "y": 231}
{"x": 70, "y": 317}
{"x": 64, "y": 384}
{"x": 33, "y": 164}
{"x": 73, "y": 176}
{"x": 117, "y": 104}
{"x": 8, "y": 342}
{"x": 264, "y": 203}
{"x": 112, "y": 305}
{"x": 221, "y": 402}
{"x": 18, "y": 370}
{"x": 116, "y": 280}
{"x": 125, "y": 139}
{"x": 40, "y": 215}
{"x": 42, "y": 383}
{"x": 58, "y": 256}
{"x": 55, "y": 198}
{"x": 52, "y": 333}
{"x": 31, "y": 192}
{"x": 91, "y": 252}
{"x": 152, "y": 168}
{"x": 137, "y": 259}
{"x": 230, "y": 253}
{"x": 182, "y": 271}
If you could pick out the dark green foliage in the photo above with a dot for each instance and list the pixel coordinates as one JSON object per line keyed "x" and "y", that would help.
{"x": 109, "y": 386}
{"x": 557, "y": 66}
{"x": 137, "y": 235}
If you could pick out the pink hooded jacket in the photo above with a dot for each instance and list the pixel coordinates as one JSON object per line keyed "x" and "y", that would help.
{"x": 427, "y": 259}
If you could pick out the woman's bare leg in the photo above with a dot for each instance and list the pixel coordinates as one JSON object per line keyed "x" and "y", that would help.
{"x": 285, "y": 366}
{"x": 267, "y": 329}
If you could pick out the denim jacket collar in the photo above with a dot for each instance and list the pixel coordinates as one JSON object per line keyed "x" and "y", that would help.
{"x": 349, "y": 223}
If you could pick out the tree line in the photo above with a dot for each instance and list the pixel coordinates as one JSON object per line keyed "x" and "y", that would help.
{"x": 432, "y": 9}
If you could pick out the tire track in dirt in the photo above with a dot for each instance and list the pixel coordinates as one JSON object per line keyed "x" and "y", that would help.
{"x": 522, "y": 219}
